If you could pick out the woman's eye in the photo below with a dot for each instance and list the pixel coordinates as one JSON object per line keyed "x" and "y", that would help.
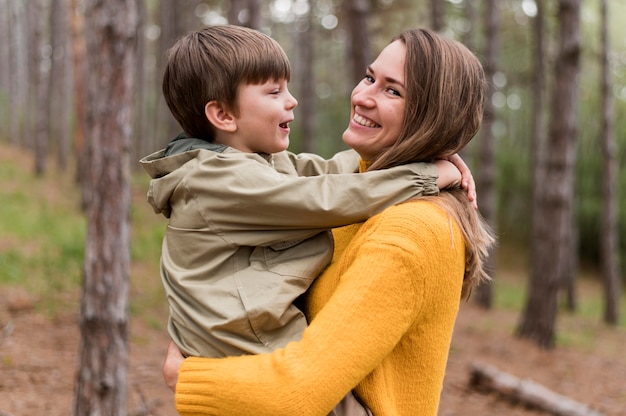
{"x": 394, "y": 91}
{"x": 369, "y": 78}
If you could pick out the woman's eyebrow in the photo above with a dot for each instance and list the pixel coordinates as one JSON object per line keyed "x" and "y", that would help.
{"x": 387, "y": 79}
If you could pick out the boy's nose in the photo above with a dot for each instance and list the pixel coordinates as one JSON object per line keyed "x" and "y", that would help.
{"x": 292, "y": 102}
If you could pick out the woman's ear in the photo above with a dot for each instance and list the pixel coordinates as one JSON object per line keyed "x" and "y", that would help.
{"x": 220, "y": 116}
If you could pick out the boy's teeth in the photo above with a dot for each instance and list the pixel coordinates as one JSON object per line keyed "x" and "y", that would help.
{"x": 364, "y": 122}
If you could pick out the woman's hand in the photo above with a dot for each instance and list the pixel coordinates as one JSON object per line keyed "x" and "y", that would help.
{"x": 173, "y": 360}
{"x": 467, "y": 180}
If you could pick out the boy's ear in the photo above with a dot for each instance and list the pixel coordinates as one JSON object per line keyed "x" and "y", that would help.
{"x": 220, "y": 117}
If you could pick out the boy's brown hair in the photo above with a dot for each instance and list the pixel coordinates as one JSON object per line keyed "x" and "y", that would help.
{"x": 210, "y": 64}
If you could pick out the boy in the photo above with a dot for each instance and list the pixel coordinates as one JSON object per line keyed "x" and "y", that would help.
{"x": 248, "y": 221}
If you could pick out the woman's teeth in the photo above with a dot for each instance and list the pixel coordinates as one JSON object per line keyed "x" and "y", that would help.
{"x": 364, "y": 122}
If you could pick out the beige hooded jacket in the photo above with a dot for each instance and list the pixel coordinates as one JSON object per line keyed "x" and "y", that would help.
{"x": 248, "y": 233}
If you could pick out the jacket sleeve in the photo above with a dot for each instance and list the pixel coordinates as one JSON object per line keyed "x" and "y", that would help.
{"x": 242, "y": 202}
{"x": 364, "y": 319}
{"x": 308, "y": 164}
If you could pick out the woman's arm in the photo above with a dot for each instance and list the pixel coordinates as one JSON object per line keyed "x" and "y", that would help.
{"x": 367, "y": 315}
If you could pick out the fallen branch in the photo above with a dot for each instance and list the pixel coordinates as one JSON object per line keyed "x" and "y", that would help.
{"x": 489, "y": 378}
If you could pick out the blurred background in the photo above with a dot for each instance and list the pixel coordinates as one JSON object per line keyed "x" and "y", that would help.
{"x": 548, "y": 160}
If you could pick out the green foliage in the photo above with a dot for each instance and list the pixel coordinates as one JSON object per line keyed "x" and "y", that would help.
{"x": 42, "y": 234}
{"x": 42, "y": 240}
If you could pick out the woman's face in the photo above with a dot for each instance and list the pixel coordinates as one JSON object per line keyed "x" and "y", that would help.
{"x": 378, "y": 103}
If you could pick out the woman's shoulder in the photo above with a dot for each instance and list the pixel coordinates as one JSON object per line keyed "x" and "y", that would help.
{"x": 414, "y": 219}
{"x": 416, "y": 209}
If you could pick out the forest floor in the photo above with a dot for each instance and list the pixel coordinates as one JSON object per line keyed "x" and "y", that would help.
{"x": 39, "y": 358}
{"x": 39, "y": 350}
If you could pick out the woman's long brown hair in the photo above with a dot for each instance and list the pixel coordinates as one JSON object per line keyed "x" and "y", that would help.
{"x": 446, "y": 87}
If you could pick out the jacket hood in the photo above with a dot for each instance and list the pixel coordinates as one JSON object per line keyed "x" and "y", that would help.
{"x": 164, "y": 167}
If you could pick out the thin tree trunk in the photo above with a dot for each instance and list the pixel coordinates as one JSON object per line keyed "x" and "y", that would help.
{"x": 19, "y": 70}
{"x": 60, "y": 78}
{"x": 556, "y": 202}
{"x": 140, "y": 102}
{"x": 101, "y": 387}
{"x": 468, "y": 153}
{"x": 245, "y": 13}
{"x": 78, "y": 62}
{"x": 42, "y": 60}
{"x": 609, "y": 235}
{"x": 5, "y": 68}
{"x": 487, "y": 173}
{"x": 175, "y": 21}
{"x": 538, "y": 241}
{"x": 307, "y": 85}
{"x": 470, "y": 35}
{"x": 234, "y": 11}
{"x": 254, "y": 10}
{"x": 437, "y": 12}
{"x": 356, "y": 14}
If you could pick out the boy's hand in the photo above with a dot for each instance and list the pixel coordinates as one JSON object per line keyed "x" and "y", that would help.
{"x": 173, "y": 360}
{"x": 449, "y": 176}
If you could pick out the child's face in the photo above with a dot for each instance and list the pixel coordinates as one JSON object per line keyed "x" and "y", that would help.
{"x": 264, "y": 114}
{"x": 378, "y": 104}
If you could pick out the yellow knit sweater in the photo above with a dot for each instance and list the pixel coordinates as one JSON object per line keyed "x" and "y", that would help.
{"x": 383, "y": 315}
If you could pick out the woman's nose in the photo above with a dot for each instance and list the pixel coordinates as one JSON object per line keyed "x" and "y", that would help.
{"x": 362, "y": 95}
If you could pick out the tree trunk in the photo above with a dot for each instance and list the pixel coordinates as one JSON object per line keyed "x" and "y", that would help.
{"x": 437, "y": 12}
{"x": 19, "y": 70}
{"x": 609, "y": 235}
{"x": 5, "y": 68}
{"x": 101, "y": 387}
{"x": 254, "y": 11}
{"x": 245, "y": 13}
{"x": 487, "y": 172}
{"x": 356, "y": 14}
{"x": 175, "y": 21}
{"x": 307, "y": 84}
{"x": 78, "y": 62}
{"x": 235, "y": 10}
{"x": 60, "y": 80}
{"x": 554, "y": 220}
{"x": 538, "y": 241}
{"x": 42, "y": 61}
{"x": 142, "y": 72}
{"x": 470, "y": 35}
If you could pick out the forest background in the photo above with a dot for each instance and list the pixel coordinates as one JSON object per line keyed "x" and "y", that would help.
{"x": 48, "y": 111}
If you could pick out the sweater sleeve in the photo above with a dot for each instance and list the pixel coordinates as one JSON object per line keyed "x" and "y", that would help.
{"x": 377, "y": 299}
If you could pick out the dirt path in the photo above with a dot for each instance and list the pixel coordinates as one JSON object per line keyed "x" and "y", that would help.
{"x": 38, "y": 359}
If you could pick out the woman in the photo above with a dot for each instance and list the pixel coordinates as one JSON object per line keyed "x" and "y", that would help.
{"x": 382, "y": 314}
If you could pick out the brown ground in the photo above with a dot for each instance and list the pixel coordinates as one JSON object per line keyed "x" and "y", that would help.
{"x": 39, "y": 360}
